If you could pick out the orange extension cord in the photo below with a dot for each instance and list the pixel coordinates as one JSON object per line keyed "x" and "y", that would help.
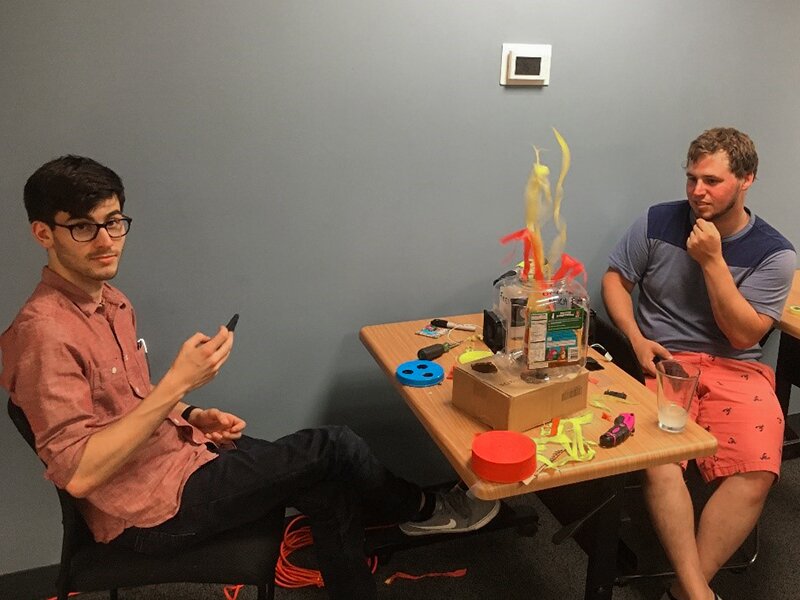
{"x": 290, "y": 576}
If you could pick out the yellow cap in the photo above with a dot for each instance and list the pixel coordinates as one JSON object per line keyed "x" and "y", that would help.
{"x": 473, "y": 355}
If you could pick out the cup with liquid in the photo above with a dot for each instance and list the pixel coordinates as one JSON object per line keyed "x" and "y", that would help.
{"x": 677, "y": 383}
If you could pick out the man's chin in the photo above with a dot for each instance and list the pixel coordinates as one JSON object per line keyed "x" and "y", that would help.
{"x": 704, "y": 212}
{"x": 104, "y": 274}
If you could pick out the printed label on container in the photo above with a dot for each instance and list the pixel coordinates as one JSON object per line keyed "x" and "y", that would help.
{"x": 553, "y": 338}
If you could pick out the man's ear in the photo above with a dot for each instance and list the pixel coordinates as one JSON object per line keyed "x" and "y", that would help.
{"x": 748, "y": 180}
{"x": 43, "y": 234}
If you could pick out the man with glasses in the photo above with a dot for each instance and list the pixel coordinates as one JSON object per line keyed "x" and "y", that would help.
{"x": 153, "y": 473}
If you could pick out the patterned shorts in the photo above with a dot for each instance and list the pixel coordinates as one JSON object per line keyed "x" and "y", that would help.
{"x": 736, "y": 402}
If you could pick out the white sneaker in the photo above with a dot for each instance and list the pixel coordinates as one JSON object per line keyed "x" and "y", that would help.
{"x": 455, "y": 512}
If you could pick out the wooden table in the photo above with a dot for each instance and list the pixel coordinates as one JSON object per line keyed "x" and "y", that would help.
{"x": 787, "y": 369}
{"x": 395, "y": 343}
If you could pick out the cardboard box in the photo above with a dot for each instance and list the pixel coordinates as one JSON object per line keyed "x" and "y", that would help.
{"x": 505, "y": 401}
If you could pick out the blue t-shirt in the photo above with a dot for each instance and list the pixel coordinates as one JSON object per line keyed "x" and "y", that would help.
{"x": 674, "y": 308}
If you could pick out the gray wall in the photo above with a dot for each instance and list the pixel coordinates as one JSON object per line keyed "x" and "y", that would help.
{"x": 319, "y": 166}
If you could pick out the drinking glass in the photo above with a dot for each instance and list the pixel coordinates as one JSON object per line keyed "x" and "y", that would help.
{"x": 677, "y": 383}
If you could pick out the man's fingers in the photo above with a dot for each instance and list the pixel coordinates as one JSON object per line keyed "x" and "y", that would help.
{"x": 196, "y": 340}
{"x": 662, "y": 352}
{"x": 219, "y": 437}
{"x": 222, "y": 337}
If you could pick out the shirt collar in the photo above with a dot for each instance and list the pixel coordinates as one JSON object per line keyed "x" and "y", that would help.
{"x": 743, "y": 231}
{"x": 80, "y": 298}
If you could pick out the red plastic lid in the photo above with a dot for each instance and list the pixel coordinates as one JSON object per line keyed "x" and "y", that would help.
{"x": 503, "y": 456}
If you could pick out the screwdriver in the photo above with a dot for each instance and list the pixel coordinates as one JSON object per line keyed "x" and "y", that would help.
{"x": 434, "y": 351}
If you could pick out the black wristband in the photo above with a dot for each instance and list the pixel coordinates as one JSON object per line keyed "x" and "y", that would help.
{"x": 187, "y": 412}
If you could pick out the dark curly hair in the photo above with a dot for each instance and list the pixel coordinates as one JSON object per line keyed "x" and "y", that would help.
{"x": 73, "y": 184}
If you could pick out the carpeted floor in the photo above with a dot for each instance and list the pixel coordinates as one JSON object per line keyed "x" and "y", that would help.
{"x": 504, "y": 564}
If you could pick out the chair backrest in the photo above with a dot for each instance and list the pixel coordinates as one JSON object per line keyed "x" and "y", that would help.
{"x": 76, "y": 532}
{"x": 618, "y": 345}
{"x": 21, "y": 423}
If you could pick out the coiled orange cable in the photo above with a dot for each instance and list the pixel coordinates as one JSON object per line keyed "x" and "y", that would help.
{"x": 288, "y": 575}
{"x": 291, "y": 576}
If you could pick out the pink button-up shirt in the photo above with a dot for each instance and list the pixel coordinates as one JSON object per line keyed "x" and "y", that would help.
{"x": 74, "y": 367}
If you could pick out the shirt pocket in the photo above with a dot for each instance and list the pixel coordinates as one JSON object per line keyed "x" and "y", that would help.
{"x": 139, "y": 373}
{"x": 110, "y": 388}
{"x": 112, "y": 382}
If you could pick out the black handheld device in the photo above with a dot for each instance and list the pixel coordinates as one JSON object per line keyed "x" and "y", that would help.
{"x": 232, "y": 323}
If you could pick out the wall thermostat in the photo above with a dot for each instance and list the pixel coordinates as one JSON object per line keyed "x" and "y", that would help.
{"x": 525, "y": 64}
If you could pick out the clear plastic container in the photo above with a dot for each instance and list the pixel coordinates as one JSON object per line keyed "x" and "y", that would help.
{"x": 547, "y": 326}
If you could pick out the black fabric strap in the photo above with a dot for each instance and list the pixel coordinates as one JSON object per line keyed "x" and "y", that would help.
{"x": 188, "y": 411}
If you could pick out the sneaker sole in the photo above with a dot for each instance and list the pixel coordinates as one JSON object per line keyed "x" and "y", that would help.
{"x": 418, "y": 531}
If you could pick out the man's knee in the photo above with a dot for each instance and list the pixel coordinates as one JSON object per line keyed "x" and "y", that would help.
{"x": 663, "y": 475}
{"x": 346, "y": 441}
{"x": 340, "y": 432}
{"x": 752, "y": 487}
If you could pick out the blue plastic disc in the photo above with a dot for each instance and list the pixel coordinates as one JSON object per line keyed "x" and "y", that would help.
{"x": 419, "y": 373}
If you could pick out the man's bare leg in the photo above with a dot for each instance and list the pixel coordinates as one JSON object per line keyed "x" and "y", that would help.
{"x": 672, "y": 515}
{"x": 719, "y": 535}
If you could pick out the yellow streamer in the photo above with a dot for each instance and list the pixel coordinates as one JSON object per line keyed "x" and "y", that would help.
{"x": 597, "y": 403}
{"x": 576, "y": 448}
{"x": 560, "y": 242}
{"x": 539, "y": 205}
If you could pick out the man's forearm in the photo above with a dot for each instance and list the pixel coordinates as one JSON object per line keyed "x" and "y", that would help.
{"x": 619, "y": 304}
{"x": 110, "y": 448}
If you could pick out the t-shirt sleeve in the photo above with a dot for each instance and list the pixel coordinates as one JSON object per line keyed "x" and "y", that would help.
{"x": 768, "y": 286}
{"x": 630, "y": 255}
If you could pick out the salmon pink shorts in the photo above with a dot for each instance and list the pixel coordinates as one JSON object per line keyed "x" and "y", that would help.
{"x": 735, "y": 402}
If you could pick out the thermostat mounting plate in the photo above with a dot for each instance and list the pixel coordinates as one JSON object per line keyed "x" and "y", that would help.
{"x": 525, "y": 64}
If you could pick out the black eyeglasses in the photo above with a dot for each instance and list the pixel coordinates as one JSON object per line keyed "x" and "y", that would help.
{"x": 86, "y": 232}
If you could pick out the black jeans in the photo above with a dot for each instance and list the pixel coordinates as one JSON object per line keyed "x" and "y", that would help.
{"x": 329, "y": 474}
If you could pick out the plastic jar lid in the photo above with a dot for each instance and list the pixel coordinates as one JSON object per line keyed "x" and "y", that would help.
{"x": 419, "y": 373}
{"x": 503, "y": 456}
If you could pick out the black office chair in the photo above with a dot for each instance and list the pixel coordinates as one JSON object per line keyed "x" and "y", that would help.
{"x": 641, "y": 555}
{"x": 787, "y": 374}
{"x": 616, "y": 344}
{"x": 246, "y": 555}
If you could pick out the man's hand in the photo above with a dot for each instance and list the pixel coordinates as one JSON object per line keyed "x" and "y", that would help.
{"x": 646, "y": 350}
{"x": 200, "y": 358}
{"x": 704, "y": 243}
{"x": 218, "y": 426}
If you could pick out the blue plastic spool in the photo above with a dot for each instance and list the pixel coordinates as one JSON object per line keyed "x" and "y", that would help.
{"x": 419, "y": 373}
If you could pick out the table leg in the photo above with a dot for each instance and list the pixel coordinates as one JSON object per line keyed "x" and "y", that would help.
{"x": 603, "y": 544}
{"x": 590, "y": 512}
